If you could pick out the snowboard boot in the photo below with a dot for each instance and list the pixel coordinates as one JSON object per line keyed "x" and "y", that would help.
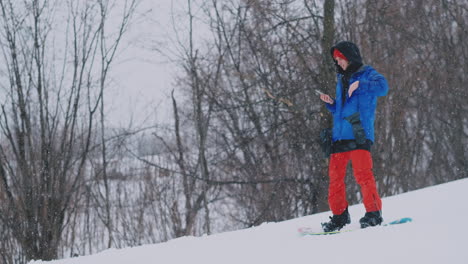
{"x": 371, "y": 219}
{"x": 337, "y": 222}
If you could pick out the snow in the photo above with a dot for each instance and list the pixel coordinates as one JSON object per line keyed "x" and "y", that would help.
{"x": 438, "y": 234}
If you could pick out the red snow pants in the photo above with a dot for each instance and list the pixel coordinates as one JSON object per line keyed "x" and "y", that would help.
{"x": 362, "y": 168}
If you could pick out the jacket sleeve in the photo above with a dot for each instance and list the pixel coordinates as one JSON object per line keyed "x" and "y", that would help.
{"x": 376, "y": 85}
{"x": 331, "y": 107}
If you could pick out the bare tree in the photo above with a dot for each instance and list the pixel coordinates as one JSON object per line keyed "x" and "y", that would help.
{"x": 260, "y": 47}
{"x": 108, "y": 45}
{"x": 269, "y": 150}
{"x": 195, "y": 191}
{"x": 48, "y": 115}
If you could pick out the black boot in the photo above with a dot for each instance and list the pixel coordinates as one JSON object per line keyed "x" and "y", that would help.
{"x": 337, "y": 222}
{"x": 371, "y": 219}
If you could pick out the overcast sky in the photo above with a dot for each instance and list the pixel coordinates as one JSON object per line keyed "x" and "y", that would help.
{"x": 143, "y": 78}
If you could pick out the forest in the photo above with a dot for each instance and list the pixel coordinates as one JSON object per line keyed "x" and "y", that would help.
{"x": 242, "y": 146}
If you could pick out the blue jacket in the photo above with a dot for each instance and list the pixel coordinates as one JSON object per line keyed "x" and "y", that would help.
{"x": 364, "y": 100}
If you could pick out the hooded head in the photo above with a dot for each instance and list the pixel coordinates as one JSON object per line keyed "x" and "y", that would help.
{"x": 349, "y": 51}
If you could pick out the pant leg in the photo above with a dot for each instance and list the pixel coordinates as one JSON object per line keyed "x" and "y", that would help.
{"x": 362, "y": 168}
{"x": 337, "y": 189}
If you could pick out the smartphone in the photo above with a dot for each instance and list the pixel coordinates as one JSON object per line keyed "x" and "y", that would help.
{"x": 317, "y": 92}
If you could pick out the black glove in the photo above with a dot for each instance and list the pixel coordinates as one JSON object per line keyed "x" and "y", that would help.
{"x": 358, "y": 130}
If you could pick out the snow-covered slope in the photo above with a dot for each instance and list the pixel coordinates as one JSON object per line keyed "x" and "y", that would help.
{"x": 438, "y": 234}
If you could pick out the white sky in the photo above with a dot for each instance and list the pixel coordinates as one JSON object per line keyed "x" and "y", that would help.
{"x": 143, "y": 78}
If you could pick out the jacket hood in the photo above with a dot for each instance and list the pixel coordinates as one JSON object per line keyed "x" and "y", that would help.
{"x": 351, "y": 52}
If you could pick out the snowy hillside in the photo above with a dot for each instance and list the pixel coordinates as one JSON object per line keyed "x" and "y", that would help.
{"x": 438, "y": 234}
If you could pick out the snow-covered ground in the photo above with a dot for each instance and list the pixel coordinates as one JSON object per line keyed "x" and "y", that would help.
{"x": 438, "y": 234}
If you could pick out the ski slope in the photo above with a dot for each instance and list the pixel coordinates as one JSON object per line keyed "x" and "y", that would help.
{"x": 438, "y": 234}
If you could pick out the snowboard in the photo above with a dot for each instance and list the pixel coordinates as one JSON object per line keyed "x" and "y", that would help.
{"x": 307, "y": 231}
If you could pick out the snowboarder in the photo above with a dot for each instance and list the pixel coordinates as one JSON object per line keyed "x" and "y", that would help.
{"x": 353, "y": 110}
